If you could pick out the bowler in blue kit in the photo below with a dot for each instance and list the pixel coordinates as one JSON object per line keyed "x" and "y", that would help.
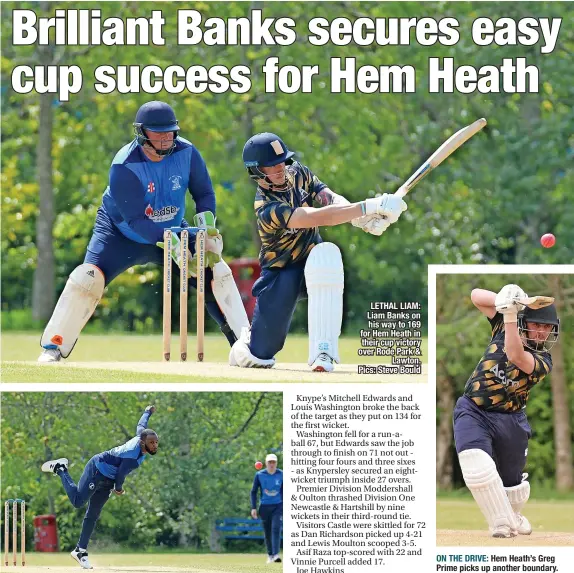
{"x": 270, "y": 483}
{"x": 148, "y": 183}
{"x": 103, "y": 475}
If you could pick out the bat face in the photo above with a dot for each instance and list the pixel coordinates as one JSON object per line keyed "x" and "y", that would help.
{"x": 446, "y": 149}
{"x": 535, "y": 302}
{"x": 455, "y": 141}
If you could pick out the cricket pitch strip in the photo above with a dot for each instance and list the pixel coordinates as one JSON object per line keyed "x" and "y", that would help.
{"x": 281, "y": 372}
{"x": 481, "y": 538}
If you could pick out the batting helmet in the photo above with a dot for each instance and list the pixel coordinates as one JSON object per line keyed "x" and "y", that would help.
{"x": 266, "y": 150}
{"x": 155, "y": 116}
{"x": 546, "y": 315}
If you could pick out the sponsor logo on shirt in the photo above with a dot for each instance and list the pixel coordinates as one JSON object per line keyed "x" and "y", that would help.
{"x": 150, "y": 187}
{"x": 160, "y": 215}
{"x": 176, "y": 182}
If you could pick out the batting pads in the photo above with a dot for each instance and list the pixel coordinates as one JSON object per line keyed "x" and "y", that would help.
{"x": 77, "y": 303}
{"x": 324, "y": 276}
{"x": 483, "y": 481}
{"x": 518, "y": 495}
{"x": 228, "y": 298}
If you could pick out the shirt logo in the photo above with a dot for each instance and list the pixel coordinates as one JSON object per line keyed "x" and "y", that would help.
{"x": 92, "y": 485}
{"x": 160, "y": 215}
{"x": 150, "y": 187}
{"x": 176, "y": 182}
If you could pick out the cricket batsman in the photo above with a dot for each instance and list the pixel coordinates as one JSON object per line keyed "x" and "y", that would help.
{"x": 491, "y": 430}
{"x": 270, "y": 482}
{"x": 104, "y": 473}
{"x": 148, "y": 184}
{"x": 295, "y": 261}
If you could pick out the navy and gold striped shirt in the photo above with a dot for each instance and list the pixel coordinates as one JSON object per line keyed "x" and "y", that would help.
{"x": 281, "y": 246}
{"x": 497, "y": 385}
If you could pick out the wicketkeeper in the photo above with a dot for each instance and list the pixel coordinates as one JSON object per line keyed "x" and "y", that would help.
{"x": 294, "y": 259}
{"x": 491, "y": 430}
{"x": 148, "y": 184}
{"x": 104, "y": 473}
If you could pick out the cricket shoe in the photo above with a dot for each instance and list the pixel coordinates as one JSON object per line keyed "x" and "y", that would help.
{"x": 81, "y": 556}
{"x": 323, "y": 363}
{"x": 503, "y": 532}
{"x": 54, "y": 466}
{"x": 276, "y": 558}
{"x": 524, "y": 527}
{"x": 269, "y": 559}
{"x": 50, "y": 355}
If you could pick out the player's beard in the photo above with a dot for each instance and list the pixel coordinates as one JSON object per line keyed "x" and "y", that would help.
{"x": 148, "y": 451}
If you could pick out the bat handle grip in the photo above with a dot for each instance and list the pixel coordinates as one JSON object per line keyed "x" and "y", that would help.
{"x": 401, "y": 191}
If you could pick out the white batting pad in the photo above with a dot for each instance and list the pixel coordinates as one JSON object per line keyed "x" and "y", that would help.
{"x": 324, "y": 276}
{"x": 77, "y": 303}
{"x": 228, "y": 297}
{"x": 518, "y": 495}
{"x": 482, "y": 479}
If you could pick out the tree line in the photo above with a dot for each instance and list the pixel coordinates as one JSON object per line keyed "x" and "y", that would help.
{"x": 490, "y": 202}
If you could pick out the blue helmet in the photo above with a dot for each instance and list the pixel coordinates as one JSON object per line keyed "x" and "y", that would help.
{"x": 155, "y": 116}
{"x": 266, "y": 150}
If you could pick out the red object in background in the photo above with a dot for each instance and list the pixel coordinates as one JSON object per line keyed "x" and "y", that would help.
{"x": 246, "y": 272}
{"x": 45, "y": 533}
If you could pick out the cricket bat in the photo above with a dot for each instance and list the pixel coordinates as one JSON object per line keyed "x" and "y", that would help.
{"x": 536, "y": 301}
{"x": 446, "y": 149}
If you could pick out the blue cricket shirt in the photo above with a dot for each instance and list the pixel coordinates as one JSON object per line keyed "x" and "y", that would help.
{"x": 143, "y": 196}
{"x": 118, "y": 462}
{"x": 271, "y": 487}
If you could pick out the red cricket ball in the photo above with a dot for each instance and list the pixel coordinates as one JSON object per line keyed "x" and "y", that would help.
{"x": 548, "y": 240}
{"x": 258, "y": 465}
